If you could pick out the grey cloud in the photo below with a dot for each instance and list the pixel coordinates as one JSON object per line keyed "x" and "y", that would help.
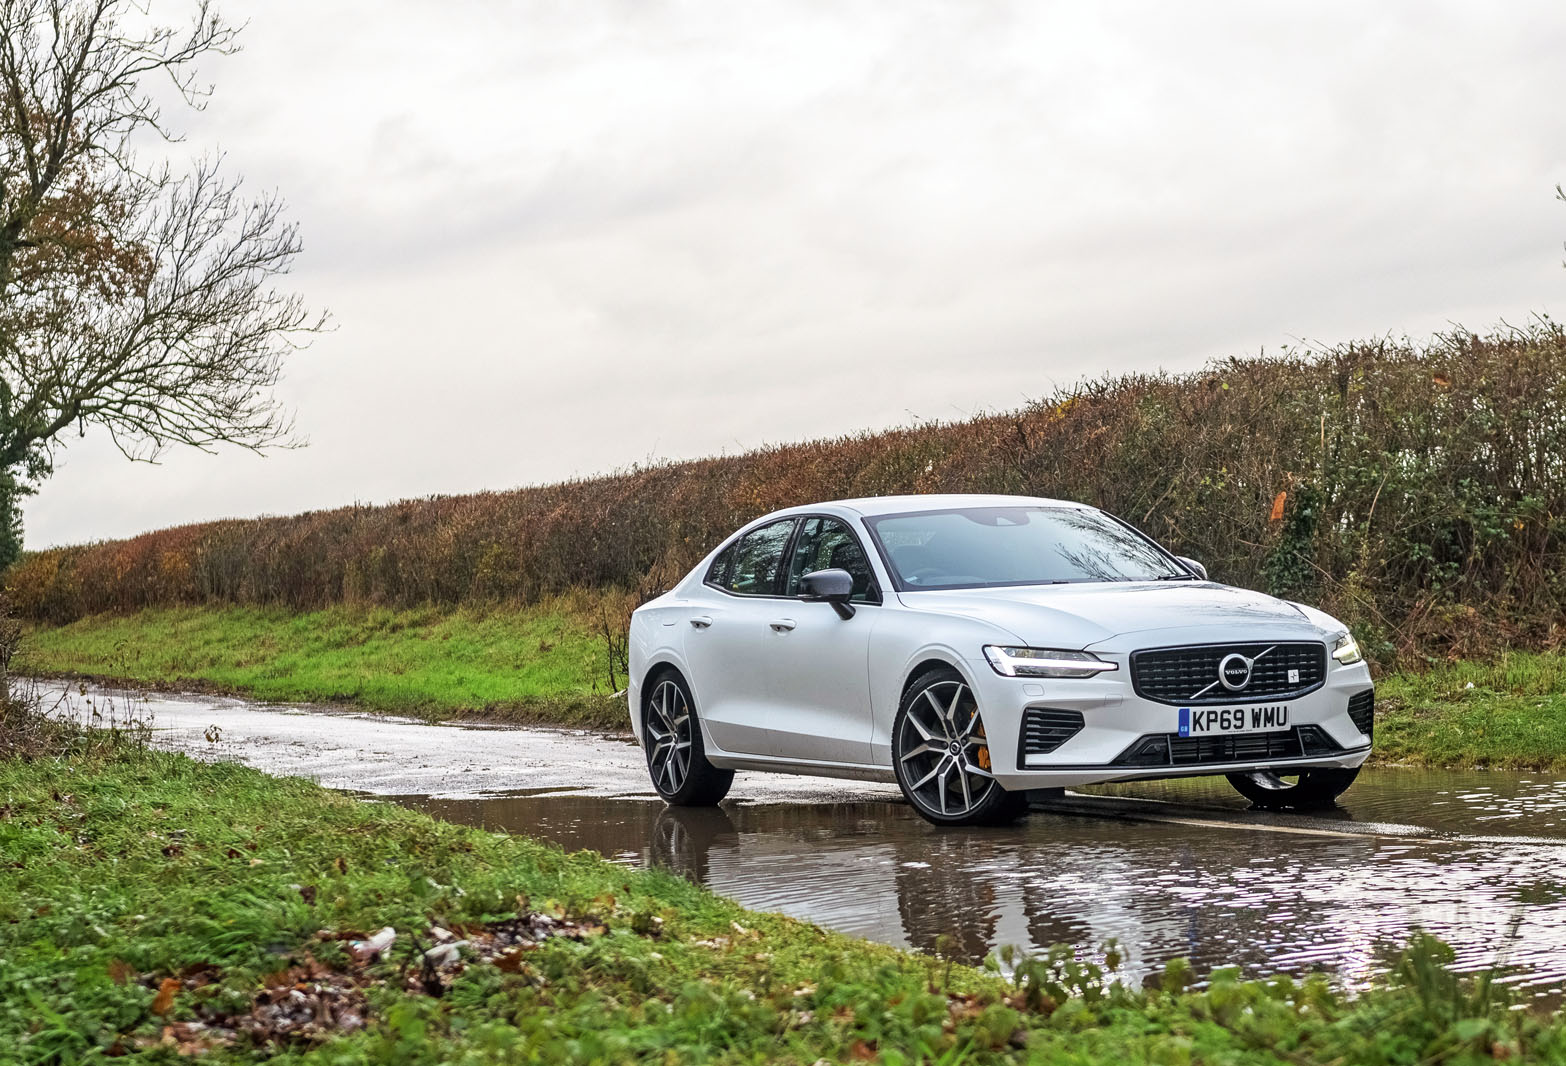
{"x": 561, "y": 237}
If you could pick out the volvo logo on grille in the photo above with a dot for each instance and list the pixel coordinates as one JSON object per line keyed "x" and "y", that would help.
{"x": 1234, "y": 672}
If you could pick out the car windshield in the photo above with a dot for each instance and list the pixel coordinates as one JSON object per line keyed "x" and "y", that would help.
{"x": 975, "y": 547}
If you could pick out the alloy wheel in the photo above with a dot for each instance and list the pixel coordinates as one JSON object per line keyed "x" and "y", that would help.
{"x": 943, "y": 752}
{"x": 669, "y": 736}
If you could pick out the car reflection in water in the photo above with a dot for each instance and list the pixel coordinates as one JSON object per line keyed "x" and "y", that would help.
{"x": 1285, "y": 901}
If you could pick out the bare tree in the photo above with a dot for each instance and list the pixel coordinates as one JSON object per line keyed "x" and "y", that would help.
{"x": 132, "y": 296}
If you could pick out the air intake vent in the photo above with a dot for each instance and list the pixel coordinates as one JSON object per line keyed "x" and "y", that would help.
{"x": 1199, "y": 751}
{"x": 1045, "y": 728}
{"x": 1279, "y": 671}
{"x": 1362, "y": 709}
{"x": 1315, "y": 741}
{"x": 1172, "y": 750}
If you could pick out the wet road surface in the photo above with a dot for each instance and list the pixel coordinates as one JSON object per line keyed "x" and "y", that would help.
{"x": 1168, "y": 869}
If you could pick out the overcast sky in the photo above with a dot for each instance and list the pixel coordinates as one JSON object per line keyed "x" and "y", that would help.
{"x": 560, "y": 238}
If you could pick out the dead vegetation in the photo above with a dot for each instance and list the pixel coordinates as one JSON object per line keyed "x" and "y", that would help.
{"x": 312, "y": 1000}
{"x": 1418, "y": 490}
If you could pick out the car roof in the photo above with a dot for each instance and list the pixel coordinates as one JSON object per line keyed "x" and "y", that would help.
{"x": 881, "y": 505}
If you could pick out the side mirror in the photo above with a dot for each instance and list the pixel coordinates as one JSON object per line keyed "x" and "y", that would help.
{"x": 1195, "y": 567}
{"x": 829, "y": 586}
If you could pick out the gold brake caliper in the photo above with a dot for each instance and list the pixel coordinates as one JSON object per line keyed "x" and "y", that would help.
{"x": 984, "y": 749}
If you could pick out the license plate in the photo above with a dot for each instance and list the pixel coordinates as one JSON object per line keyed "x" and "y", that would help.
{"x": 1211, "y": 721}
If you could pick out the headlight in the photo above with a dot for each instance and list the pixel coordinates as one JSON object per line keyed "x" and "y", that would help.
{"x": 1045, "y": 662}
{"x": 1346, "y": 650}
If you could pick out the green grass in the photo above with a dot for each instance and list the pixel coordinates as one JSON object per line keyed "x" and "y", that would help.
{"x": 129, "y": 873}
{"x": 548, "y": 664}
{"x": 1513, "y": 716}
{"x": 542, "y": 663}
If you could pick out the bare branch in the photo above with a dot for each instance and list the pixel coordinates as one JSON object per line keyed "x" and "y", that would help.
{"x": 131, "y": 298}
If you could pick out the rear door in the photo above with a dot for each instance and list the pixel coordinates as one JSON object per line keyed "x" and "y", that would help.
{"x": 730, "y": 636}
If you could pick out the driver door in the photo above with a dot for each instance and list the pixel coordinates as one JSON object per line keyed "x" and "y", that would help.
{"x": 818, "y": 662}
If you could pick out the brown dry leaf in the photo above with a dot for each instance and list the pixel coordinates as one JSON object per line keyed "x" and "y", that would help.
{"x": 120, "y": 971}
{"x": 1277, "y": 507}
{"x": 1440, "y": 379}
{"x": 199, "y": 973}
{"x": 862, "y": 1052}
{"x": 164, "y": 1000}
{"x": 509, "y": 961}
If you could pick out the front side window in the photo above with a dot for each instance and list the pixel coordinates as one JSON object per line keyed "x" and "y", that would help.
{"x": 976, "y": 547}
{"x": 827, "y": 544}
{"x": 757, "y": 557}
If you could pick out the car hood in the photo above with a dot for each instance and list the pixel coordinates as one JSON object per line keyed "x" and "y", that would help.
{"x": 1081, "y": 615}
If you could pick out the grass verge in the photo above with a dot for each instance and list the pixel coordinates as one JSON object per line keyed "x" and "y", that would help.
{"x": 543, "y": 664}
{"x": 152, "y": 906}
{"x": 1508, "y": 713}
{"x": 548, "y": 664}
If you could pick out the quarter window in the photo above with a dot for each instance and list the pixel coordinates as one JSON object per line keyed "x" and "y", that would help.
{"x": 827, "y": 544}
{"x": 757, "y": 557}
{"x": 718, "y": 572}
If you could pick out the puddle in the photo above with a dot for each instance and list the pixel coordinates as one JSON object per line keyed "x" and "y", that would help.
{"x": 1167, "y": 869}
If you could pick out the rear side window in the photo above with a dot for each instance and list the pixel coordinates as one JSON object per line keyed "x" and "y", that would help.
{"x": 827, "y": 544}
{"x": 757, "y": 556}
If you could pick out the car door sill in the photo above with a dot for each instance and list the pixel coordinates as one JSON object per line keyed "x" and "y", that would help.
{"x": 769, "y": 764}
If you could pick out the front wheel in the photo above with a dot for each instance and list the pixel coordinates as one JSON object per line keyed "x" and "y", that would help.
{"x": 1305, "y": 790}
{"x": 676, "y": 757}
{"x": 942, "y": 757}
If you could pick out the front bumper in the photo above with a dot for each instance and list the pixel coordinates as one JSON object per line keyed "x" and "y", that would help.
{"x": 1117, "y": 737}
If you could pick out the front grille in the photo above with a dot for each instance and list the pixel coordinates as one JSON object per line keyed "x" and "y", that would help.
{"x": 1173, "y": 750}
{"x": 1046, "y": 728}
{"x": 1176, "y": 675}
{"x": 1362, "y": 709}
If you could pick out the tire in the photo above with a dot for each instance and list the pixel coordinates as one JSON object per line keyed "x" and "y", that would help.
{"x": 1309, "y": 790}
{"x": 676, "y": 756}
{"x": 937, "y": 751}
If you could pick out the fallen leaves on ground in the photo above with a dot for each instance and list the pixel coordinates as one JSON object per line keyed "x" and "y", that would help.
{"x": 312, "y": 1000}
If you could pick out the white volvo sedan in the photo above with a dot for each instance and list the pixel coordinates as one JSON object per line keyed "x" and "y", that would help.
{"x": 973, "y": 648}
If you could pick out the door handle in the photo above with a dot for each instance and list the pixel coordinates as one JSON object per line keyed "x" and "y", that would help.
{"x": 701, "y": 621}
{"x": 782, "y": 625}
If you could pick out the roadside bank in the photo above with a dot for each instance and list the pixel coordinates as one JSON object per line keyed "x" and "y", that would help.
{"x": 1174, "y": 869}
{"x": 154, "y": 905}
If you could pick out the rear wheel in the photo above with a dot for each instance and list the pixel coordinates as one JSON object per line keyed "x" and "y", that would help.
{"x": 1304, "y": 790}
{"x": 942, "y": 757}
{"x": 676, "y": 757}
